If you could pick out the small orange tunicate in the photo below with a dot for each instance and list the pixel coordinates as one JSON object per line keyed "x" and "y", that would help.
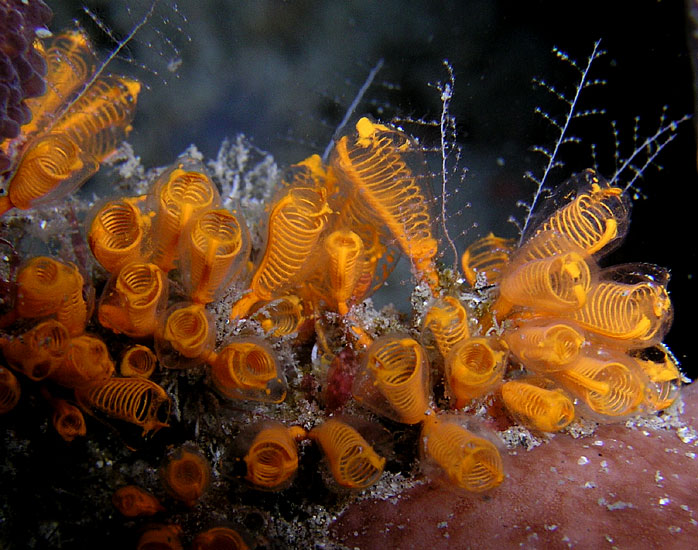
{"x": 247, "y": 368}
{"x": 272, "y": 459}
{"x": 133, "y": 501}
{"x": 294, "y": 229}
{"x": 133, "y": 299}
{"x": 46, "y": 287}
{"x": 179, "y": 195}
{"x": 547, "y": 410}
{"x": 213, "y": 253}
{"x": 136, "y": 400}
{"x": 596, "y": 218}
{"x": 138, "y": 362}
{"x": 473, "y": 368}
{"x": 117, "y": 233}
{"x": 469, "y": 462}
{"x": 68, "y": 420}
{"x": 161, "y": 537}
{"x": 38, "y": 352}
{"x": 219, "y": 538}
{"x": 352, "y": 460}
{"x": 86, "y": 362}
{"x": 486, "y": 258}
{"x": 185, "y": 336}
{"x": 400, "y": 201}
{"x": 394, "y": 381}
{"x": 186, "y": 476}
{"x": 9, "y": 390}
{"x": 447, "y": 320}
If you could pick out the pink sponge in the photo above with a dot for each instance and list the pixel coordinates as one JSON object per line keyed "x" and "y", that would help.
{"x": 21, "y": 67}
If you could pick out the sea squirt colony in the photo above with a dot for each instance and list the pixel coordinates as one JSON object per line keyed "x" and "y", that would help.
{"x": 552, "y": 335}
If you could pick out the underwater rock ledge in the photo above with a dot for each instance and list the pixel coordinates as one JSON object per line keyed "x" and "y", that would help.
{"x": 620, "y": 488}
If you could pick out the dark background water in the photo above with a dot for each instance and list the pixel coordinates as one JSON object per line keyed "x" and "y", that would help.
{"x": 283, "y": 73}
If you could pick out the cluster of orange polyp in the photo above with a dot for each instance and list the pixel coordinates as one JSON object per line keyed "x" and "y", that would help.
{"x": 180, "y": 224}
{"x": 57, "y": 349}
{"x": 590, "y": 333}
{"x": 271, "y": 459}
{"x": 186, "y": 475}
{"x": 395, "y": 383}
{"x": 50, "y": 299}
{"x": 333, "y": 233}
{"x": 75, "y": 125}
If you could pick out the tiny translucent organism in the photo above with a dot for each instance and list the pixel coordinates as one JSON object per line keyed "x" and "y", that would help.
{"x": 595, "y": 216}
{"x": 247, "y": 368}
{"x": 68, "y": 420}
{"x": 52, "y": 168}
{"x": 537, "y": 408}
{"x": 556, "y": 284}
{"x": 374, "y": 164}
{"x": 372, "y": 266}
{"x": 185, "y": 337}
{"x": 448, "y": 322}
{"x": 219, "y": 538}
{"x": 38, "y": 352}
{"x": 635, "y": 314}
{"x": 186, "y": 476}
{"x": 486, "y": 258}
{"x": 48, "y": 287}
{"x": 71, "y": 62}
{"x": 353, "y": 462}
{"x": 135, "y": 400}
{"x": 470, "y": 462}
{"x": 178, "y": 196}
{"x": 295, "y": 224}
{"x": 280, "y": 317}
{"x": 272, "y": 459}
{"x": 100, "y": 119}
{"x": 88, "y": 128}
{"x": 86, "y": 362}
{"x": 345, "y": 252}
{"x": 132, "y": 501}
{"x": 138, "y": 362}
{"x": 10, "y": 390}
{"x": 397, "y": 367}
{"x": 610, "y": 384}
{"x": 352, "y": 264}
{"x": 117, "y": 234}
{"x": 473, "y": 368}
{"x": 133, "y": 299}
{"x": 545, "y": 345}
{"x": 213, "y": 253}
